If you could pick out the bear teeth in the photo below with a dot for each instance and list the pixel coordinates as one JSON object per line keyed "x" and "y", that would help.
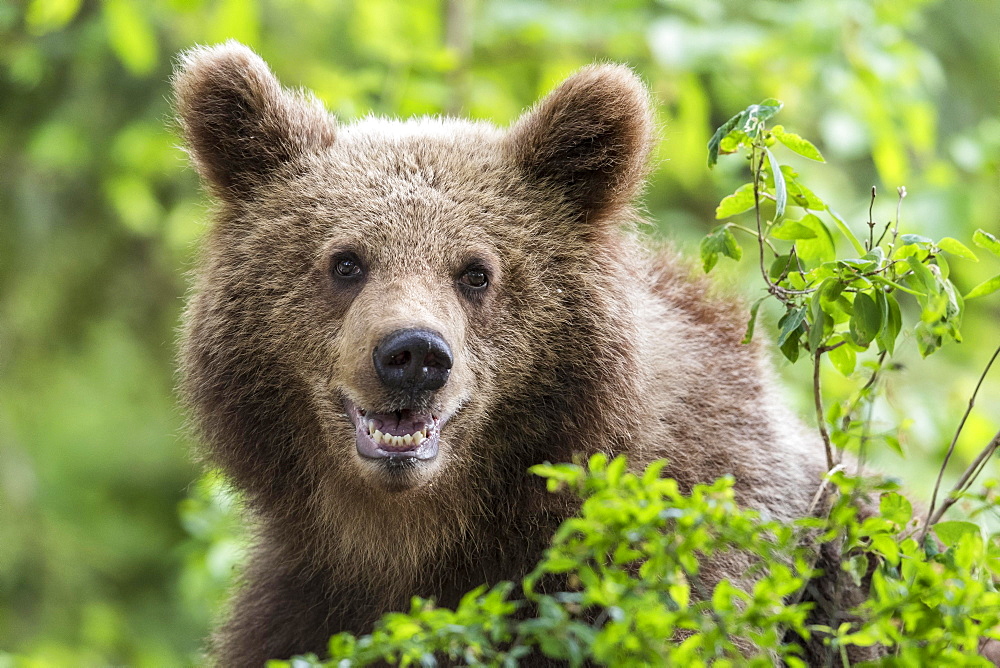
{"x": 416, "y": 438}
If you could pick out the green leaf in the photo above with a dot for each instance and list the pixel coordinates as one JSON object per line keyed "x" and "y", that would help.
{"x": 866, "y": 321}
{"x": 859, "y": 248}
{"x": 780, "y": 191}
{"x": 720, "y": 241}
{"x": 801, "y": 195}
{"x": 985, "y": 288}
{"x": 790, "y": 322}
{"x": 781, "y": 264}
{"x": 791, "y": 230}
{"x": 757, "y": 114}
{"x": 984, "y": 239}
{"x": 896, "y": 508}
{"x": 748, "y": 337}
{"x": 721, "y": 133}
{"x": 820, "y": 323}
{"x": 796, "y": 143}
{"x": 893, "y": 323}
{"x": 951, "y": 532}
{"x": 923, "y": 275}
{"x": 856, "y": 567}
{"x": 843, "y": 359}
{"x": 908, "y": 239}
{"x": 818, "y": 250}
{"x": 740, "y": 201}
{"x": 957, "y": 248}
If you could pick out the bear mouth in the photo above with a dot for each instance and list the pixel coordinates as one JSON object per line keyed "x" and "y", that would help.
{"x": 400, "y": 435}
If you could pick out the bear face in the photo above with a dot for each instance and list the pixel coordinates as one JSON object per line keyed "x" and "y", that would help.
{"x": 406, "y": 285}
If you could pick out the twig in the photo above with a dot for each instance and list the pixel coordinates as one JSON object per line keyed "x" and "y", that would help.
{"x": 901, "y": 192}
{"x": 822, "y": 487}
{"x": 933, "y": 517}
{"x": 752, "y": 233}
{"x": 871, "y": 223}
{"x": 964, "y": 482}
{"x": 871, "y": 381}
{"x": 818, "y": 401}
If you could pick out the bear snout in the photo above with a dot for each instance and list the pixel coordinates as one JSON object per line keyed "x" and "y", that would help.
{"x": 413, "y": 360}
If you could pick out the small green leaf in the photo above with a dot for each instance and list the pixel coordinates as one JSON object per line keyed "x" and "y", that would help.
{"x": 895, "y": 508}
{"x": 892, "y": 326}
{"x": 780, "y": 191}
{"x": 801, "y": 195}
{"x": 957, "y": 248}
{"x": 856, "y": 567}
{"x": 720, "y": 241}
{"x": 866, "y": 321}
{"x": 923, "y": 275}
{"x": 748, "y": 337}
{"x": 984, "y": 239}
{"x": 791, "y": 230}
{"x": 758, "y": 113}
{"x": 984, "y": 288}
{"x": 820, "y": 323}
{"x": 731, "y": 142}
{"x": 818, "y": 250}
{"x": 780, "y": 266}
{"x": 951, "y": 532}
{"x": 721, "y": 133}
{"x": 846, "y": 231}
{"x": 740, "y": 201}
{"x": 796, "y": 143}
{"x": 908, "y": 239}
{"x": 790, "y": 323}
{"x": 843, "y": 359}
{"x": 790, "y": 349}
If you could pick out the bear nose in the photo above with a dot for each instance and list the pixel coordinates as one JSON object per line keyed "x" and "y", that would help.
{"x": 413, "y": 359}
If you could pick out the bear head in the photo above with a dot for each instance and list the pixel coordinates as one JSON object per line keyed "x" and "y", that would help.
{"x": 391, "y": 317}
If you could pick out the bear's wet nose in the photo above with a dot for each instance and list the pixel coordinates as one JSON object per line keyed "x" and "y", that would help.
{"x": 413, "y": 359}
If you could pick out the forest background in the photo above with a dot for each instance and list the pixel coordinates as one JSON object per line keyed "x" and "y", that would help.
{"x": 110, "y": 551}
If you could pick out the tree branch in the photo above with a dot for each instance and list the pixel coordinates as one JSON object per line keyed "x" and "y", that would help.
{"x": 933, "y": 516}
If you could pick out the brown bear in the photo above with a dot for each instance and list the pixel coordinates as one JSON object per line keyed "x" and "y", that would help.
{"x": 393, "y": 320}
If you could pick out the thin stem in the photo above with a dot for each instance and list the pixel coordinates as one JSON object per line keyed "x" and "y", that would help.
{"x": 901, "y": 192}
{"x": 871, "y": 223}
{"x": 818, "y": 401}
{"x": 752, "y": 233}
{"x": 951, "y": 449}
{"x": 861, "y": 393}
{"x": 964, "y": 482}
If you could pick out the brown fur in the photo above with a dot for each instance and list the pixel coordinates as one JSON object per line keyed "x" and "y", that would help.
{"x": 583, "y": 342}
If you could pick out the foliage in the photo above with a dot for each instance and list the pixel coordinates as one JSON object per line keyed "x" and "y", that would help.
{"x": 99, "y": 217}
{"x": 632, "y": 594}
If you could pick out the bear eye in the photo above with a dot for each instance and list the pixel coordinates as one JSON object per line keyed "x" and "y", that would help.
{"x": 475, "y": 277}
{"x": 346, "y": 266}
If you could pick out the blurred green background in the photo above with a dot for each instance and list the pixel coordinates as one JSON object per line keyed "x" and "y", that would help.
{"x": 110, "y": 553}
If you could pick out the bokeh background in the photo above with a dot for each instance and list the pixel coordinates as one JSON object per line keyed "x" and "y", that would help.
{"x": 113, "y": 549}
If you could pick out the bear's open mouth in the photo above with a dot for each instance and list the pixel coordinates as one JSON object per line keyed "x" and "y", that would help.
{"x": 402, "y": 434}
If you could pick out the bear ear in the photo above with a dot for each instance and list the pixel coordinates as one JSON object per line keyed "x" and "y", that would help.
{"x": 589, "y": 138}
{"x": 238, "y": 123}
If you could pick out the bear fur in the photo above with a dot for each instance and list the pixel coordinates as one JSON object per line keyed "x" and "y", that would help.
{"x": 582, "y": 340}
